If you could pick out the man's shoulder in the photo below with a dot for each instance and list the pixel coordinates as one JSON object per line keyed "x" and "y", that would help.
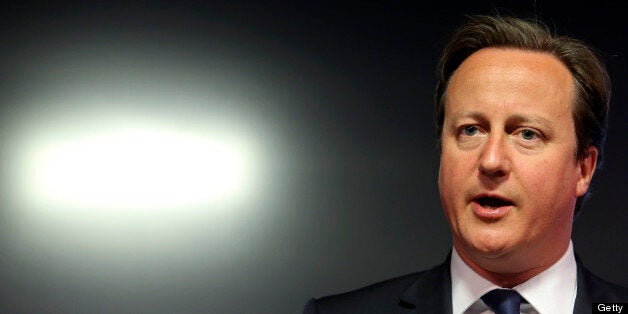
{"x": 388, "y": 296}
{"x": 595, "y": 289}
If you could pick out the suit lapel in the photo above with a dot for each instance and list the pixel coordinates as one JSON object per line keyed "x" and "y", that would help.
{"x": 589, "y": 290}
{"x": 592, "y": 289}
{"x": 431, "y": 292}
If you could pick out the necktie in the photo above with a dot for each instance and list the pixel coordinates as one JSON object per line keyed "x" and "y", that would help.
{"x": 503, "y": 301}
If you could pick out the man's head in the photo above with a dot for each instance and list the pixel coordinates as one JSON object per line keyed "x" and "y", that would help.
{"x": 521, "y": 120}
{"x": 591, "y": 82}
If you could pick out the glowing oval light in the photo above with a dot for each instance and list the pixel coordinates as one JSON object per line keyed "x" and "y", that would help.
{"x": 140, "y": 168}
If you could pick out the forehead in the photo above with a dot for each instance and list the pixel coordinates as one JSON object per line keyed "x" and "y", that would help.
{"x": 512, "y": 78}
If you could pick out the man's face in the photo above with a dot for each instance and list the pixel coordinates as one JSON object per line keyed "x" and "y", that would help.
{"x": 509, "y": 176}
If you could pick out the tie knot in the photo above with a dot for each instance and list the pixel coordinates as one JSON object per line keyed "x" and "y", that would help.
{"x": 503, "y": 301}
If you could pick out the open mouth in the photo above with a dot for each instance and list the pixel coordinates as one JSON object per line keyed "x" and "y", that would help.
{"x": 492, "y": 202}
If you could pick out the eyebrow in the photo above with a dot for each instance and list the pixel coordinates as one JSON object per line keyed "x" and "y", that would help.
{"x": 536, "y": 119}
{"x": 515, "y": 118}
{"x": 469, "y": 114}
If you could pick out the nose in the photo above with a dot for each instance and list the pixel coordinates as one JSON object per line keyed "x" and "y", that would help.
{"x": 495, "y": 159}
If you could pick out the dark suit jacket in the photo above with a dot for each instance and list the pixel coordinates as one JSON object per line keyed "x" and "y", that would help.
{"x": 430, "y": 292}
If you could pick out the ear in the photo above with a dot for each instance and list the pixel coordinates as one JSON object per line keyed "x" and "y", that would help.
{"x": 586, "y": 167}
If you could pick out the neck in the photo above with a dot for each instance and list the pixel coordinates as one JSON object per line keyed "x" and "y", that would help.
{"x": 509, "y": 270}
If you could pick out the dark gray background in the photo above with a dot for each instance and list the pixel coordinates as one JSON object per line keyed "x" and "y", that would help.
{"x": 350, "y": 87}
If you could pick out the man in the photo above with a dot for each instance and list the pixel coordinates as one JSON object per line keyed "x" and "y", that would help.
{"x": 521, "y": 119}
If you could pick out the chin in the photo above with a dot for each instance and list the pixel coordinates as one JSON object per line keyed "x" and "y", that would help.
{"x": 490, "y": 246}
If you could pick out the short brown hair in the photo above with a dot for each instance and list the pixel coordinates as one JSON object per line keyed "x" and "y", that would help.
{"x": 591, "y": 80}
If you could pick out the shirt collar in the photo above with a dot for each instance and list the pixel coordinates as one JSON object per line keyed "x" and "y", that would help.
{"x": 543, "y": 291}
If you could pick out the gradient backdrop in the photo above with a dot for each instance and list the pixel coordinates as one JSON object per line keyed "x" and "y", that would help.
{"x": 188, "y": 157}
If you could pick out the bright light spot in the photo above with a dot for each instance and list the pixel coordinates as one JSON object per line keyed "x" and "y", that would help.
{"x": 140, "y": 168}
{"x": 142, "y": 163}
{"x": 129, "y": 195}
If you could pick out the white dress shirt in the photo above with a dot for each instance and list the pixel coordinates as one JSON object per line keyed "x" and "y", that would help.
{"x": 551, "y": 292}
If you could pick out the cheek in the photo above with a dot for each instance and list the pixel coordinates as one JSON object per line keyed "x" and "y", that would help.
{"x": 450, "y": 178}
{"x": 455, "y": 163}
{"x": 548, "y": 182}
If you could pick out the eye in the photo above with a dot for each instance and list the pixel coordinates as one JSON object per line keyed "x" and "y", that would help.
{"x": 470, "y": 130}
{"x": 529, "y": 135}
